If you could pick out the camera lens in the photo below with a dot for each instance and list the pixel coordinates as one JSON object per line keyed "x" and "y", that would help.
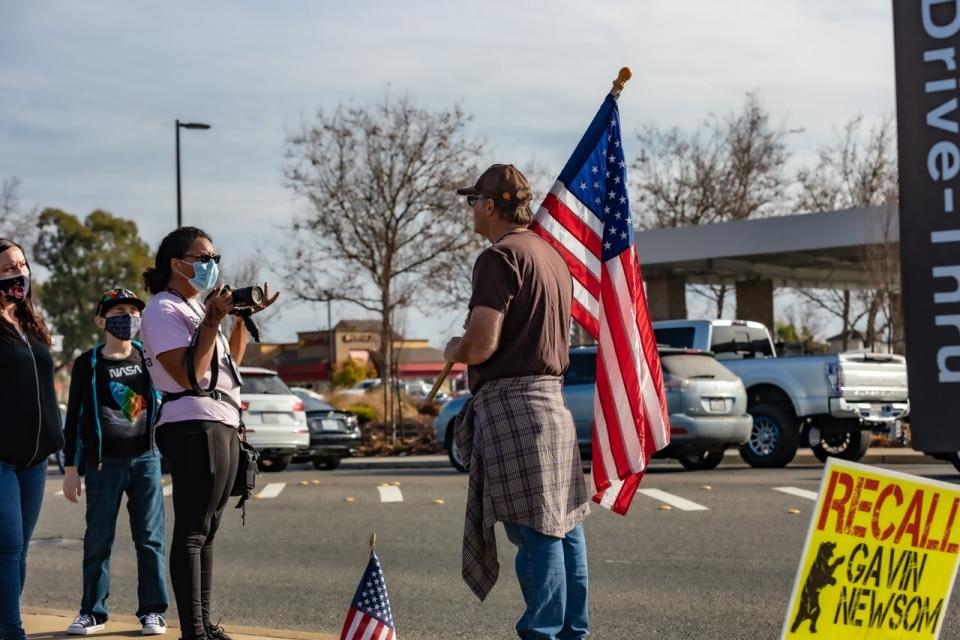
{"x": 248, "y": 297}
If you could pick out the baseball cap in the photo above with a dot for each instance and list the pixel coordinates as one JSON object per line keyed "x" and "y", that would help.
{"x": 113, "y": 297}
{"x": 502, "y": 182}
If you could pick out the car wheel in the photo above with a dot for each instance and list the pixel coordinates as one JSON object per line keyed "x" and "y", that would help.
{"x": 273, "y": 464}
{"x": 774, "y": 437}
{"x": 702, "y": 460}
{"x": 847, "y": 445}
{"x": 326, "y": 464}
{"x": 452, "y": 452}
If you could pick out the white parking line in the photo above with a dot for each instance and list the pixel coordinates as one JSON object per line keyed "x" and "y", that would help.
{"x": 168, "y": 490}
{"x": 59, "y": 493}
{"x": 800, "y": 493}
{"x": 272, "y": 490}
{"x": 674, "y": 501}
{"x": 390, "y": 494}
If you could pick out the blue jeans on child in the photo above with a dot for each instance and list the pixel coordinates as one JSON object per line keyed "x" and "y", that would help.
{"x": 21, "y": 494}
{"x": 139, "y": 478}
{"x": 553, "y": 579}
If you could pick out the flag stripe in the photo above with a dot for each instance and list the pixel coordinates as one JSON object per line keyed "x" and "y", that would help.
{"x": 370, "y": 628}
{"x": 620, "y": 380}
{"x": 589, "y": 302}
{"x": 580, "y": 272}
{"x": 577, "y": 208}
{"x": 587, "y": 320}
{"x": 581, "y": 252}
{"x": 574, "y": 224}
{"x": 350, "y": 624}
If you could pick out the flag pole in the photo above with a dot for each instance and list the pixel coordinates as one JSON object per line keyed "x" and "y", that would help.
{"x": 373, "y": 540}
{"x": 624, "y": 75}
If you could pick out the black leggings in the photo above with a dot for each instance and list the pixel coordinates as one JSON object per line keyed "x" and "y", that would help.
{"x": 203, "y": 463}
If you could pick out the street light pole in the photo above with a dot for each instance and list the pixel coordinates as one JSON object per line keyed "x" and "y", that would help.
{"x": 331, "y": 354}
{"x": 177, "y": 126}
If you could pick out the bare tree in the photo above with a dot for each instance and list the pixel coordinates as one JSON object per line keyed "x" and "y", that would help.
{"x": 384, "y": 226}
{"x": 859, "y": 169}
{"x": 16, "y": 223}
{"x": 732, "y": 168}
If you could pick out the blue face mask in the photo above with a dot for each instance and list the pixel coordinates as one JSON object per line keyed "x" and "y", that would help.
{"x": 205, "y": 275}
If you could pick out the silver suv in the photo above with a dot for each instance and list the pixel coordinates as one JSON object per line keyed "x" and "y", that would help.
{"x": 707, "y": 405}
{"x": 274, "y": 417}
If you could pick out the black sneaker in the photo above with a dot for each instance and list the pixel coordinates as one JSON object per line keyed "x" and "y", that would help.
{"x": 216, "y": 632}
{"x": 84, "y": 624}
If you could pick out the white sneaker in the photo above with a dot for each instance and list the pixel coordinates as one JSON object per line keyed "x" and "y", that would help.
{"x": 84, "y": 624}
{"x": 153, "y": 624}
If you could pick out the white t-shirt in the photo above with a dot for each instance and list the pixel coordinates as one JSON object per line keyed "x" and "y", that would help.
{"x": 169, "y": 323}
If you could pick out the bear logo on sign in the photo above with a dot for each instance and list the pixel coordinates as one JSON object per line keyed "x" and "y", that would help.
{"x": 820, "y": 576}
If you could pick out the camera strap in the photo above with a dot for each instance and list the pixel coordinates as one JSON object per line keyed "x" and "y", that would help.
{"x": 196, "y": 390}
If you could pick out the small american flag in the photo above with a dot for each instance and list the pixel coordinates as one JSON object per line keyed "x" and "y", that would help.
{"x": 370, "y": 617}
{"x": 586, "y": 217}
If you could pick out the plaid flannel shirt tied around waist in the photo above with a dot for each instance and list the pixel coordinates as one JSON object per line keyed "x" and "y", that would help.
{"x": 518, "y": 441}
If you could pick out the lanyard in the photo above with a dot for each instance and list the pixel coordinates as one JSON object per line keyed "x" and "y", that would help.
{"x": 226, "y": 344}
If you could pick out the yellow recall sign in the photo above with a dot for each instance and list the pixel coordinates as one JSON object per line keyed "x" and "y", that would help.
{"x": 880, "y": 559}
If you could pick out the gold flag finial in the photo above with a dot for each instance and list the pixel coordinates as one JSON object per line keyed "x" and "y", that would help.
{"x": 373, "y": 540}
{"x": 624, "y": 75}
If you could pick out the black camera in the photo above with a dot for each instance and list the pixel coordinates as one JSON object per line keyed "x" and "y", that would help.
{"x": 246, "y": 297}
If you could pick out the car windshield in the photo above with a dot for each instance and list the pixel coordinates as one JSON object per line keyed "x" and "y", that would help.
{"x": 679, "y": 337}
{"x": 691, "y": 366}
{"x": 312, "y": 404}
{"x": 266, "y": 384}
{"x": 740, "y": 342}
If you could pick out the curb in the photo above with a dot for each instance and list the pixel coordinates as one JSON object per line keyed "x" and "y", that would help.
{"x": 35, "y": 614}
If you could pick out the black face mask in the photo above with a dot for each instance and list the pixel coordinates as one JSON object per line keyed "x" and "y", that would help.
{"x": 15, "y": 289}
{"x": 123, "y": 327}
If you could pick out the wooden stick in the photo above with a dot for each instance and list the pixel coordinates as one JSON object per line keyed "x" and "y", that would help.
{"x": 436, "y": 385}
{"x": 624, "y": 75}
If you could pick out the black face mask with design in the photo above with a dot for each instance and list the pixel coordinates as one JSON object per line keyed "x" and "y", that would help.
{"x": 14, "y": 289}
{"x": 123, "y": 327}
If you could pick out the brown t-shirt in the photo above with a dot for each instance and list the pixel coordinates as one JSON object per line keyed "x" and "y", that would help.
{"x": 526, "y": 279}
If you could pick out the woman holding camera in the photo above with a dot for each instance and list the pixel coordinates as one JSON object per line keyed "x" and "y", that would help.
{"x": 29, "y": 428}
{"x": 186, "y": 349}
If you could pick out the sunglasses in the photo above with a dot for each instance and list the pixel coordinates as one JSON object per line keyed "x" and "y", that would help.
{"x": 204, "y": 257}
{"x": 473, "y": 200}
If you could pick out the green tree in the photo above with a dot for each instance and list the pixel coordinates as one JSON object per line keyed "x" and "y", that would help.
{"x": 85, "y": 258}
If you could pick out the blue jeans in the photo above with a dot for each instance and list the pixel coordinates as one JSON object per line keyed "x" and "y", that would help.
{"x": 139, "y": 478}
{"x": 553, "y": 579}
{"x": 21, "y": 494}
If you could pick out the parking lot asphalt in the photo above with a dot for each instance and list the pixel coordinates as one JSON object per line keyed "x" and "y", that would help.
{"x": 719, "y": 563}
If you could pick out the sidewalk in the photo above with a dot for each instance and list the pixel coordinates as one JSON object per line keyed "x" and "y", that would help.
{"x": 51, "y": 623}
{"x": 875, "y": 455}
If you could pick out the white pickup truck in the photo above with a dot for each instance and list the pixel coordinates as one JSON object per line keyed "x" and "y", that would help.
{"x": 832, "y": 403}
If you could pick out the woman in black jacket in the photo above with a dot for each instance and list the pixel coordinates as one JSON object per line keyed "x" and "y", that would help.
{"x": 29, "y": 431}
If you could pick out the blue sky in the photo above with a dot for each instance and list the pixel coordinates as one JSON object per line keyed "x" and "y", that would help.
{"x": 90, "y": 92}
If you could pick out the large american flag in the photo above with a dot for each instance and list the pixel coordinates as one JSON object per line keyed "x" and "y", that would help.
{"x": 586, "y": 217}
{"x": 370, "y": 617}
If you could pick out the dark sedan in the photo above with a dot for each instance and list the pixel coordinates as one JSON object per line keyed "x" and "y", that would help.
{"x": 334, "y": 434}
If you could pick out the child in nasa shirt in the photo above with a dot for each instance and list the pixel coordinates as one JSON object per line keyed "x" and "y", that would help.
{"x": 109, "y": 430}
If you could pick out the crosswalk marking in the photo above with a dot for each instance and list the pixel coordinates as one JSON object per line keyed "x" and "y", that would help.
{"x": 800, "y": 493}
{"x": 272, "y": 490}
{"x": 674, "y": 501}
{"x": 390, "y": 494}
{"x": 168, "y": 490}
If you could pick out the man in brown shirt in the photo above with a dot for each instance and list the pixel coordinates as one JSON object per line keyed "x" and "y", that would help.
{"x": 516, "y": 435}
